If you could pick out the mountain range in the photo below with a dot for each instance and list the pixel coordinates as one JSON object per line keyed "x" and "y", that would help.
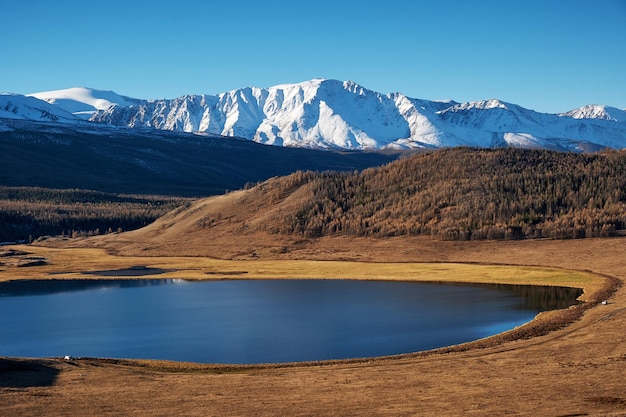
{"x": 330, "y": 114}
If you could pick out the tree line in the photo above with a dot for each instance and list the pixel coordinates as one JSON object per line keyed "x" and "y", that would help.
{"x": 450, "y": 194}
{"x": 462, "y": 194}
{"x": 27, "y": 213}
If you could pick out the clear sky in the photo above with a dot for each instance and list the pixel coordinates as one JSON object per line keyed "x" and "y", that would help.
{"x": 546, "y": 55}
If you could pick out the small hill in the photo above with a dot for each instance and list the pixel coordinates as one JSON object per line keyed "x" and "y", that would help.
{"x": 452, "y": 194}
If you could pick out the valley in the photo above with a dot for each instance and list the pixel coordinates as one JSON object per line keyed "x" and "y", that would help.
{"x": 459, "y": 214}
{"x": 386, "y": 209}
{"x": 399, "y": 208}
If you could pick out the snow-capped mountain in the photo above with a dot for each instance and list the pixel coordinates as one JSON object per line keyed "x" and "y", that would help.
{"x": 512, "y": 125}
{"x": 330, "y": 114}
{"x": 84, "y": 102}
{"x": 17, "y": 106}
{"x": 595, "y": 111}
{"x": 316, "y": 114}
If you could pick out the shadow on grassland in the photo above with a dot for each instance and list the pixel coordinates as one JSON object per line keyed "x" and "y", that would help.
{"x": 26, "y": 373}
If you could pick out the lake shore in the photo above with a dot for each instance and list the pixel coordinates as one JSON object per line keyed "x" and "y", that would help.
{"x": 575, "y": 369}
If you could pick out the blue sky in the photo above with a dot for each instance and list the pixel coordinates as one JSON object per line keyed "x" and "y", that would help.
{"x": 549, "y": 56}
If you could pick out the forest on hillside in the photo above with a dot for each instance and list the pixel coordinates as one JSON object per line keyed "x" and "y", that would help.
{"x": 27, "y": 213}
{"x": 463, "y": 194}
{"x": 450, "y": 194}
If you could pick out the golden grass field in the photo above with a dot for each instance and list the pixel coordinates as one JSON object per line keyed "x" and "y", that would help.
{"x": 576, "y": 368}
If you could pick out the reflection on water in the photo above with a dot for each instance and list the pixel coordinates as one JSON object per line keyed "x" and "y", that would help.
{"x": 250, "y": 321}
{"x": 54, "y": 286}
{"x": 544, "y": 298}
{"x": 535, "y": 297}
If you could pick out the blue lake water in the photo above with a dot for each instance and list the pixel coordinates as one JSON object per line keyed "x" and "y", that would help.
{"x": 256, "y": 321}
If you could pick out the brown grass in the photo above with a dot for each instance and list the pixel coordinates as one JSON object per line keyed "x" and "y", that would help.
{"x": 575, "y": 370}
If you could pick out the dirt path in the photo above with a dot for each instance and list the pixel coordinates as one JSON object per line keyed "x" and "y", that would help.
{"x": 576, "y": 371}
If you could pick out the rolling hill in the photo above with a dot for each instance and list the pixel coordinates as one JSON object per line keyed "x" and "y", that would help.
{"x": 453, "y": 194}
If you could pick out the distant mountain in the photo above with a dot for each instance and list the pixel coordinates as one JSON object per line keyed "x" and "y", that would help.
{"x": 595, "y": 111}
{"x": 16, "y": 106}
{"x": 84, "y": 102}
{"x": 330, "y": 114}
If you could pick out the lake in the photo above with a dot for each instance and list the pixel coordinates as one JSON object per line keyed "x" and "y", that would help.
{"x": 257, "y": 321}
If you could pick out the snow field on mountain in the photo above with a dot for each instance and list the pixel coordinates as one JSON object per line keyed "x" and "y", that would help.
{"x": 331, "y": 114}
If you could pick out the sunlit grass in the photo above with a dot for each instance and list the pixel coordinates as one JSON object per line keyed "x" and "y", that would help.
{"x": 73, "y": 263}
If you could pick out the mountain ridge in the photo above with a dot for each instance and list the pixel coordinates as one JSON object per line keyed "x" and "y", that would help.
{"x": 82, "y": 101}
{"x": 142, "y": 161}
{"x": 16, "y": 106}
{"x": 331, "y": 114}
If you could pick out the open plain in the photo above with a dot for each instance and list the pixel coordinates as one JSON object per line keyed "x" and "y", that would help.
{"x": 554, "y": 368}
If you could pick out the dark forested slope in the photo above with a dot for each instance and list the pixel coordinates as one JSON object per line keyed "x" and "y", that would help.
{"x": 462, "y": 194}
{"x": 27, "y": 213}
{"x": 153, "y": 162}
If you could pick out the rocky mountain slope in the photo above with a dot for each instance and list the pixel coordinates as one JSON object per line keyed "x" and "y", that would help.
{"x": 330, "y": 114}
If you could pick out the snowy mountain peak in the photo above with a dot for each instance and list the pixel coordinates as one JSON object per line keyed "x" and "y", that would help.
{"x": 331, "y": 114}
{"x": 83, "y": 102}
{"x": 482, "y": 105}
{"x": 17, "y": 106}
{"x": 596, "y": 111}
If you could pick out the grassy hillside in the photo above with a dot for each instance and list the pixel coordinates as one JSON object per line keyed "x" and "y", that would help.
{"x": 453, "y": 194}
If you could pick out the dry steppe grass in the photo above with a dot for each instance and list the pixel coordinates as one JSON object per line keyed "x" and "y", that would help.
{"x": 574, "y": 370}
